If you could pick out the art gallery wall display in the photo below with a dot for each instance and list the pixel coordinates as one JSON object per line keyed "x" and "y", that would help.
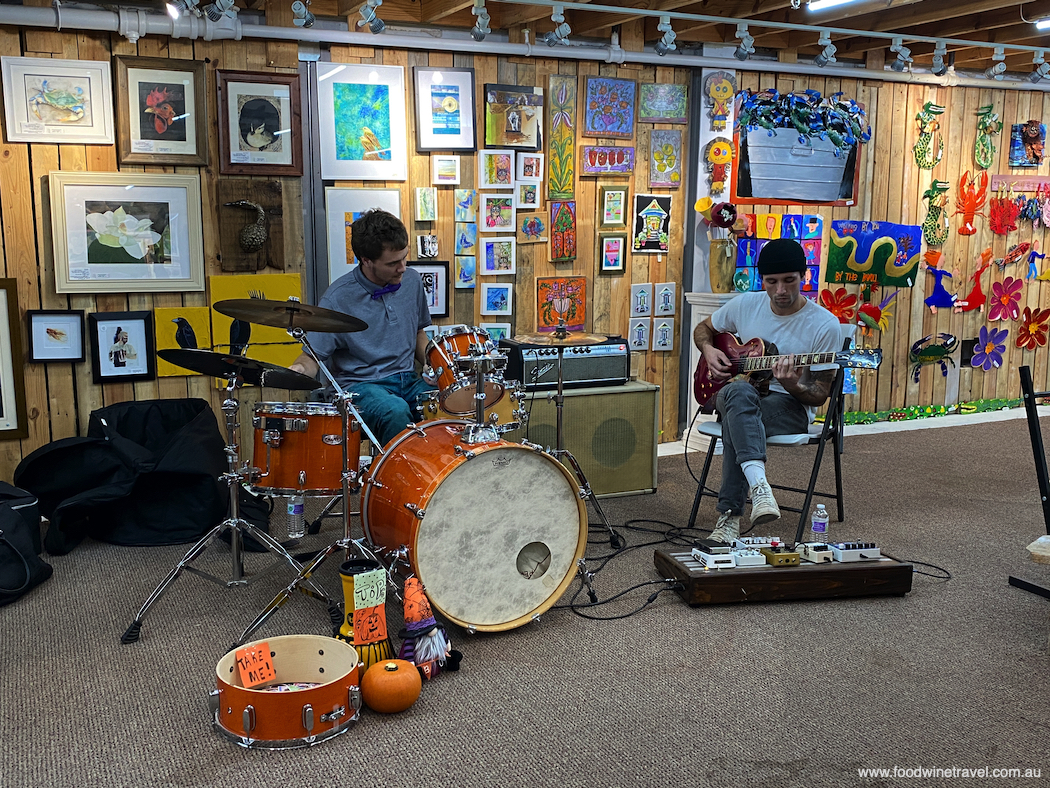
{"x": 495, "y": 169}
{"x": 260, "y": 123}
{"x": 609, "y": 107}
{"x": 466, "y": 238}
{"x": 527, "y": 196}
{"x": 652, "y": 217}
{"x": 122, "y": 346}
{"x": 664, "y": 103}
{"x": 162, "y": 115}
{"x": 466, "y": 269}
{"x": 120, "y": 232}
{"x": 435, "y": 286}
{"x": 641, "y": 300}
{"x": 612, "y": 253}
{"x": 530, "y": 167}
{"x": 561, "y": 298}
{"x": 251, "y": 223}
{"x": 444, "y": 109}
{"x": 444, "y": 170}
{"x": 513, "y": 117}
{"x": 665, "y": 298}
{"x": 342, "y": 207}
{"x": 606, "y": 160}
{"x": 561, "y": 173}
{"x": 563, "y": 231}
{"x": 665, "y": 158}
{"x": 498, "y": 256}
{"x": 55, "y": 335}
{"x": 613, "y": 207}
{"x": 496, "y": 212}
{"x": 13, "y": 420}
{"x": 532, "y": 228}
{"x": 362, "y": 122}
{"x": 663, "y": 333}
{"x": 57, "y": 101}
{"x": 466, "y": 205}
{"x": 638, "y": 333}
{"x": 497, "y": 299}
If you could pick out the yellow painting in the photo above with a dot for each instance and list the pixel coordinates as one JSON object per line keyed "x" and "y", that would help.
{"x": 181, "y": 326}
{"x": 768, "y": 225}
{"x": 271, "y": 287}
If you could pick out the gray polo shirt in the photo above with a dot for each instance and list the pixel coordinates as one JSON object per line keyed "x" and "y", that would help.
{"x": 388, "y": 345}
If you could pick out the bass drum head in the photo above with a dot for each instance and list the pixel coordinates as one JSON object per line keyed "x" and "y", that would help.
{"x": 496, "y": 548}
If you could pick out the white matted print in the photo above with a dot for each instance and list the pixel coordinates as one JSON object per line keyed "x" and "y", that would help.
{"x": 444, "y": 170}
{"x": 663, "y": 333}
{"x": 530, "y": 167}
{"x": 122, "y": 345}
{"x": 55, "y": 101}
{"x": 496, "y": 213}
{"x": 342, "y": 207}
{"x": 498, "y": 256}
{"x": 665, "y": 298}
{"x": 496, "y": 331}
{"x": 55, "y": 335}
{"x": 495, "y": 169}
{"x": 444, "y": 108}
{"x": 362, "y": 122}
{"x": 526, "y": 196}
{"x": 497, "y": 299}
{"x": 638, "y": 333}
{"x": 641, "y": 300}
{"x": 435, "y": 286}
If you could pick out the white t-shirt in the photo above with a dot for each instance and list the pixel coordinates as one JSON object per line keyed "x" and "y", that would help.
{"x": 812, "y": 329}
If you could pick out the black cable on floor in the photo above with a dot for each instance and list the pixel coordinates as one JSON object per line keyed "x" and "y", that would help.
{"x": 945, "y": 574}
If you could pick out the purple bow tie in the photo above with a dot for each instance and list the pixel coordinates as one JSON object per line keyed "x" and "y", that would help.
{"x": 384, "y": 290}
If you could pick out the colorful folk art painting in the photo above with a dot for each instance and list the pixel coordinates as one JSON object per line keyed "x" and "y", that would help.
{"x": 606, "y": 159}
{"x": 532, "y": 228}
{"x": 362, "y": 121}
{"x": 663, "y": 103}
{"x": 609, "y": 107}
{"x": 513, "y": 116}
{"x": 496, "y": 213}
{"x": 558, "y": 298}
{"x": 1026, "y": 144}
{"x": 498, "y": 256}
{"x": 652, "y": 216}
{"x": 563, "y": 231}
{"x": 665, "y": 158}
{"x": 877, "y": 253}
{"x": 561, "y": 168}
{"x": 495, "y": 169}
{"x": 466, "y": 205}
{"x": 613, "y": 249}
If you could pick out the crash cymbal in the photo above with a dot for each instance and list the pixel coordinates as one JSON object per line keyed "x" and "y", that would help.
{"x": 570, "y": 339}
{"x": 250, "y": 370}
{"x": 289, "y": 314}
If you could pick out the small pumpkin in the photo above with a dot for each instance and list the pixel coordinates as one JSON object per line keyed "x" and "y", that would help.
{"x": 391, "y": 686}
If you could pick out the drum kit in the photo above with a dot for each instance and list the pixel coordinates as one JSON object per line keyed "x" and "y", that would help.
{"x": 494, "y": 530}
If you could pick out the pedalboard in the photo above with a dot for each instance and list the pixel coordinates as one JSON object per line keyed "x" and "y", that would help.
{"x": 780, "y": 556}
{"x": 815, "y": 552}
{"x": 847, "y": 552}
{"x": 757, "y": 542}
{"x": 723, "y": 559}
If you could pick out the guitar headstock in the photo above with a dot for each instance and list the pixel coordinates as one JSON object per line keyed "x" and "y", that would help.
{"x": 859, "y": 358}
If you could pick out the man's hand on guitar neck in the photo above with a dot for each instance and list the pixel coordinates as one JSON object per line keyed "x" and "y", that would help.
{"x": 719, "y": 366}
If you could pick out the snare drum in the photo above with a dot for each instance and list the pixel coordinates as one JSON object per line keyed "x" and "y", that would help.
{"x": 453, "y": 358}
{"x": 299, "y": 448}
{"x": 507, "y": 415}
{"x": 493, "y": 529}
{"x": 315, "y": 696}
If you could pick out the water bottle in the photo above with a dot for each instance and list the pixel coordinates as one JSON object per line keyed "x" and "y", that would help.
{"x": 818, "y": 527}
{"x": 296, "y": 516}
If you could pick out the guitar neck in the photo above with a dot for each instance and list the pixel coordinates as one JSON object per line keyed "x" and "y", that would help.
{"x": 760, "y": 363}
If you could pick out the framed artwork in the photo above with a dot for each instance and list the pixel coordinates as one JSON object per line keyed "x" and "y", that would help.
{"x": 497, "y": 299}
{"x": 496, "y": 213}
{"x": 664, "y": 299}
{"x": 435, "y": 286}
{"x": 444, "y": 109}
{"x": 663, "y": 333}
{"x": 526, "y": 196}
{"x": 514, "y": 116}
{"x": 466, "y": 205}
{"x": 638, "y": 333}
{"x": 612, "y": 206}
{"x": 652, "y": 216}
{"x": 444, "y": 170}
{"x": 260, "y": 123}
{"x": 56, "y": 101}
{"x": 361, "y": 112}
{"x": 180, "y": 327}
{"x": 561, "y": 173}
{"x": 561, "y": 298}
{"x": 563, "y": 231}
{"x": 532, "y": 228}
{"x": 665, "y": 158}
{"x": 610, "y": 106}
{"x": 641, "y": 300}
{"x": 466, "y": 269}
{"x": 495, "y": 169}
{"x": 426, "y": 204}
{"x": 466, "y": 238}
{"x": 663, "y": 103}
{"x": 342, "y": 207}
{"x": 530, "y": 168}
{"x": 13, "y": 420}
{"x": 498, "y": 256}
{"x": 162, "y": 111}
{"x": 122, "y": 348}
{"x": 426, "y": 246}
{"x": 265, "y": 343}
{"x": 606, "y": 160}
{"x": 55, "y": 335}
{"x": 496, "y": 331}
{"x": 613, "y": 253}
{"x": 127, "y": 232}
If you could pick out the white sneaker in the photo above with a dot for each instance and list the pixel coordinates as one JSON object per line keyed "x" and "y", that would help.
{"x": 764, "y": 507}
{"x": 727, "y": 528}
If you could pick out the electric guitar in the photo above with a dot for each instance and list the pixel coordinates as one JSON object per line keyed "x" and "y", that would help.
{"x": 755, "y": 358}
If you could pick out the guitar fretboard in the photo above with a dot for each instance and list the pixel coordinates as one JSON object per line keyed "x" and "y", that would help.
{"x": 759, "y": 363}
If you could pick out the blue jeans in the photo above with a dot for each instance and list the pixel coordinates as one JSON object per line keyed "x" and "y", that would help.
{"x": 747, "y": 419}
{"x": 388, "y": 405}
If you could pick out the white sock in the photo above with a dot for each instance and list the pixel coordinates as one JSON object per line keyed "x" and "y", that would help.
{"x": 754, "y": 470}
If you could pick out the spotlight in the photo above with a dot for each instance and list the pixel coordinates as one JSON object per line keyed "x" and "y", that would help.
{"x": 903, "y": 55}
{"x": 827, "y": 55}
{"x": 1042, "y": 24}
{"x": 561, "y": 30}
{"x": 368, "y": 17}
{"x": 1042, "y": 68}
{"x": 665, "y": 44}
{"x": 481, "y": 26}
{"x": 301, "y": 16}
{"x": 220, "y": 8}
{"x": 746, "y": 47}
{"x": 177, "y": 8}
{"x": 998, "y": 68}
{"x": 938, "y": 66}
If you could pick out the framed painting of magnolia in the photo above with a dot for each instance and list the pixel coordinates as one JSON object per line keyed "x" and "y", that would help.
{"x": 56, "y": 101}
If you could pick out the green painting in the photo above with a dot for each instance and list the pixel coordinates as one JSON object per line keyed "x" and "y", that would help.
{"x": 561, "y": 168}
{"x": 362, "y": 121}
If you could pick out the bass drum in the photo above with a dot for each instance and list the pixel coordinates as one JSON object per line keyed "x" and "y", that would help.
{"x": 493, "y": 529}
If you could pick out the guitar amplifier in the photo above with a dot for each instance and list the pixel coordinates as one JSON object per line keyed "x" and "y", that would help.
{"x": 605, "y": 363}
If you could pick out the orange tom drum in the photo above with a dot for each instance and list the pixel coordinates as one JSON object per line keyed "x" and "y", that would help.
{"x": 507, "y": 415}
{"x": 451, "y": 357}
{"x": 493, "y": 529}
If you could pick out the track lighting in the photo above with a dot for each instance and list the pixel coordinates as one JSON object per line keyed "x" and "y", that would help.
{"x": 821, "y": 5}
{"x": 998, "y": 68}
{"x": 220, "y": 8}
{"x": 301, "y": 16}
{"x": 177, "y": 8}
{"x": 1042, "y": 24}
{"x": 665, "y": 44}
{"x": 1042, "y": 68}
{"x": 481, "y": 26}
{"x": 368, "y": 16}
{"x": 746, "y": 47}
{"x": 827, "y": 55}
{"x": 903, "y": 55}
{"x": 938, "y": 66}
{"x": 561, "y": 30}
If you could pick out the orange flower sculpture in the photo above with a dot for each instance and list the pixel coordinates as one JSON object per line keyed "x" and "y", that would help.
{"x": 841, "y": 304}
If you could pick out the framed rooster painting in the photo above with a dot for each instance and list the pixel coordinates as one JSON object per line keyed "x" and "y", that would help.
{"x": 162, "y": 115}
{"x": 260, "y": 124}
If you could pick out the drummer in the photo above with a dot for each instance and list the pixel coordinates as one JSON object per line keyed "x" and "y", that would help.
{"x": 377, "y": 363}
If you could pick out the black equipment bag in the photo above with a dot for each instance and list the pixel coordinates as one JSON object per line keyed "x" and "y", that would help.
{"x": 21, "y": 568}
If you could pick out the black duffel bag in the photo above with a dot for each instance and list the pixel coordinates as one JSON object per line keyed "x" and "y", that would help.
{"x": 21, "y": 568}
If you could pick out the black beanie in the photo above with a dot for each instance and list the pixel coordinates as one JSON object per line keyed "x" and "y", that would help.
{"x": 781, "y": 256}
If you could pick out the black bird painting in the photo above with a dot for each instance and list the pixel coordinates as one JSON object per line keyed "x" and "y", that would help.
{"x": 240, "y": 333}
{"x": 184, "y": 333}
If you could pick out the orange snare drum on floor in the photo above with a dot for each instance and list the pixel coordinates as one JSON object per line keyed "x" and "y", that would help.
{"x": 298, "y": 448}
{"x": 452, "y": 356}
{"x": 493, "y": 529}
{"x": 506, "y": 415}
{"x": 314, "y": 697}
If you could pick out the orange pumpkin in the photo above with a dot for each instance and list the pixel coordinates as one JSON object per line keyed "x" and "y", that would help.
{"x": 391, "y": 686}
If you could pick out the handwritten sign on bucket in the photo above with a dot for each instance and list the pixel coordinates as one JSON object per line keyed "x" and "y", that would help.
{"x": 255, "y": 665}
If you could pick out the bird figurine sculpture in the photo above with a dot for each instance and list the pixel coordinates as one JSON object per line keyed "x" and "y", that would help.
{"x": 252, "y": 236}
{"x": 184, "y": 334}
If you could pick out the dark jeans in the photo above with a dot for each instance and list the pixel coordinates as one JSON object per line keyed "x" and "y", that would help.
{"x": 747, "y": 419}
{"x": 388, "y": 405}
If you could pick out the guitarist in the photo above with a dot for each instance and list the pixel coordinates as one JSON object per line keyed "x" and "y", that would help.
{"x": 795, "y": 325}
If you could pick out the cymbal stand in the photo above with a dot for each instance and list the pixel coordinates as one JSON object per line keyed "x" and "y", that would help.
{"x": 234, "y": 477}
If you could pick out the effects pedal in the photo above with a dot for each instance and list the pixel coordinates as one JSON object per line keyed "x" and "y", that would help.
{"x": 845, "y": 552}
{"x": 746, "y": 556}
{"x": 780, "y": 556}
{"x": 723, "y": 559}
{"x": 757, "y": 542}
{"x": 815, "y": 552}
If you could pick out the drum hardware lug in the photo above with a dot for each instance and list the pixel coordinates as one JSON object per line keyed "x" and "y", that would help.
{"x": 464, "y": 452}
{"x": 472, "y": 630}
{"x": 374, "y": 482}
{"x": 213, "y": 702}
{"x": 354, "y": 426}
{"x": 535, "y": 618}
{"x": 296, "y": 425}
{"x": 585, "y": 493}
{"x": 256, "y": 422}
{"x": 248, "y": 719}
{"x": 419, "y": 513}
{"x": 354, "y": 698}
{"x": 302, "y": 479}
{"x": 417, "y": 429}
{"x": 493, "y": 418}
{"x": 272, "y": 437}
{"x": 534, "y": 446}
{"x": 334, "y": 715}
{"x": 350, "y": 476}
{"x": 308, "y": 717}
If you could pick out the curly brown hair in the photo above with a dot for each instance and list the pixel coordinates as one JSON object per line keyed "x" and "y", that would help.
{"x": 377, "y": 231}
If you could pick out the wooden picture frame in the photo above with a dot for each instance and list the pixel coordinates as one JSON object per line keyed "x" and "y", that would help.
{"x": 55, "y": 335}
{"x": 612, "y": 253}
{"x": 609, "y": 107}
{"x": 14, "y": 423}
{"x": 123, "y": 346}
{"x": 260, "y": 123}
{"x": 30, "y": 118}
{"x": 435, "y": 286}
{"x": 444, "y": 109}
{"x": 162, "y": 111}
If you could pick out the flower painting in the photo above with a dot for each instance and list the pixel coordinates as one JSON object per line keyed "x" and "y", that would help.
{"x": 663, "y": 103}
{"x": 1005, "y": 301}
{"x": 605, "y": 159}
{"x": 1031, "y": 332}
{"x": 840, "y": 303}
{"x": 665, "y": 158}
{"x": 561, "y": 170}
{"x": 609, "y": 107}
{"x": 127, "y": 233}
{"x": 561, "y": 300}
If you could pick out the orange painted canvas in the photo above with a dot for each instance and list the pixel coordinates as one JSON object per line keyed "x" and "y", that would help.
{"x": 561, "y": 296}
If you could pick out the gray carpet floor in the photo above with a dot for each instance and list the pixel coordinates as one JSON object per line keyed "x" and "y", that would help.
{"x": 782, "y": 694}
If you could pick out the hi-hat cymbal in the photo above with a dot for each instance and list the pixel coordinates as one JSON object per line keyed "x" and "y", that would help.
{"x": 570, "y": 339}
{"x": 289, "y": 314}
{"x": 250, "y": 370}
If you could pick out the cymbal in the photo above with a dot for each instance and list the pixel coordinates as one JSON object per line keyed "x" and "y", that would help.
{"x": 289, "y": 314}
{"x": 571, "y": 339}
{"x": 252, "y": 371}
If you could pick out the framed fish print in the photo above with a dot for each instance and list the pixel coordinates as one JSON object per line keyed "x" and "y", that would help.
{"x": 444, "y": 109}
{"x": 435, "y": 286}
{"x": 362, "y": 122}
{"x": 162, "y": 115}
{"x": 260, "y": 123}
{"x": 57, "y": 101}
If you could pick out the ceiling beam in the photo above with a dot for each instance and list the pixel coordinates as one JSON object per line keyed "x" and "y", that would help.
{"x": 524, "y": 14}
{"x": 435, "y": 10}
{"x": 839, "y": 16}
{"x": 588, "y": 24}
